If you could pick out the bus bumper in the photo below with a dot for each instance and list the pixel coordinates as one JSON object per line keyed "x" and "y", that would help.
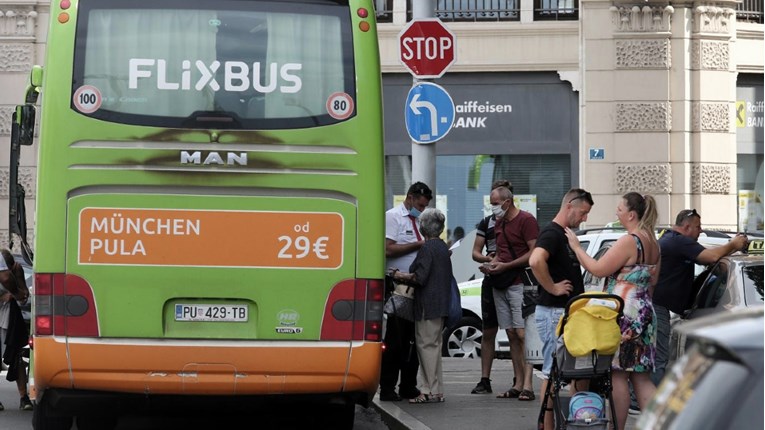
{"x": 216, "y": 368}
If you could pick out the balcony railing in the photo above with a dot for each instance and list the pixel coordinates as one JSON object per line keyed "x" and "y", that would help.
{"x": 544, "y": 10}
{"x": 478, "y": 10}
{"x": 749, "y": 11}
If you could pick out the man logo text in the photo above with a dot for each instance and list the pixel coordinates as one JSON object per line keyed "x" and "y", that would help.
{"x": 230, "y": 158}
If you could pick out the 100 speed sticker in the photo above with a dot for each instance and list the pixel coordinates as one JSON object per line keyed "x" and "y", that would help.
{"x": 87, "y": 99}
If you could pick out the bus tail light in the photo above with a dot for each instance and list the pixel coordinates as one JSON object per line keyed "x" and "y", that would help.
{"x": 354, "y": 311}
{"x": 64, "y": 306}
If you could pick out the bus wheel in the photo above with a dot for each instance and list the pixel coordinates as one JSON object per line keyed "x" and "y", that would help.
{"x": 340, "y": 417}
{"x": 96, "y": 422}
{"x": 42, "y": 419}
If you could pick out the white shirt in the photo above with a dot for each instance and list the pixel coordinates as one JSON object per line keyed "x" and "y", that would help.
{"x": 399, "y": 228}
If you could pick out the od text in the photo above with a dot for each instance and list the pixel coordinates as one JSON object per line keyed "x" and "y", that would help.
{"x": 298, "y": 245}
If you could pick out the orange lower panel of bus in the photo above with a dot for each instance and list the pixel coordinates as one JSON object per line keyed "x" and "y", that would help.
{"x": 207, "y": 367}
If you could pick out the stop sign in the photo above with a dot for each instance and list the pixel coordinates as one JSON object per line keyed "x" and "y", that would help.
{"x": 426, "y": 48}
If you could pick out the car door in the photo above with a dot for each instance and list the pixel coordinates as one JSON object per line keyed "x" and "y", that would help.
{"x": 592, "y": 282}
{"x": 717, "y": 292}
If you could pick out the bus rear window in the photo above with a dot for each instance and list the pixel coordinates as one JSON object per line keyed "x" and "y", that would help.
{"x": 214, "y": 64}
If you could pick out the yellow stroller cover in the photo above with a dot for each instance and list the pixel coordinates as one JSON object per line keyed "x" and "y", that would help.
{"x": 591, "y": 324}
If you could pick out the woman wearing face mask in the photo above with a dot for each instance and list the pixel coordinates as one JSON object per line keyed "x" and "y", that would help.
{"x": 515, "y": 233}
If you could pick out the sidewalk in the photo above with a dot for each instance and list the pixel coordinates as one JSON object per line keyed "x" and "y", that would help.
{"x": 463, "y": 410}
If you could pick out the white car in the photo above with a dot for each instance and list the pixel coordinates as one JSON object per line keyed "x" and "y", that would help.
{"x": 464, "y": 340}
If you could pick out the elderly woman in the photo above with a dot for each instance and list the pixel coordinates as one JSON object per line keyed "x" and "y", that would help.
{"x": 431, "y": 276}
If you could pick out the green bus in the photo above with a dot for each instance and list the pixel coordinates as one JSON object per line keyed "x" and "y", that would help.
{"x": 209, "y": 206}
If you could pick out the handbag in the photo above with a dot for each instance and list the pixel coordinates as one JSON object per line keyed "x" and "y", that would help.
{"x": 400, "y": 306}
{"x": 401, "y": 302}
{"x": 455, "y": 305}
{"x": 501, "y": 281}
{"x": 403, "y": 290}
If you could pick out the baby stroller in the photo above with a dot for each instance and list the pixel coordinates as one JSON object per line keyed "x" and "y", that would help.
{"x": 588, "y": 337}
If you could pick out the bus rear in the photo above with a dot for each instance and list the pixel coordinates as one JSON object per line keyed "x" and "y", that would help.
{"x": 209, "y": 217}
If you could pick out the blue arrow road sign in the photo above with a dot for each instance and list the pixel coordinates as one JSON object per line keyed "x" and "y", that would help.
{"x": 429, "y": 112}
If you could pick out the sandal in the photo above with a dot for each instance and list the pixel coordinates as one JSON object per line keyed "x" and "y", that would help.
{"x": 427, "y": 398}
{"x": 422, "y": 398}
{"x": 526, "y": 395}
{"x": 510, "y": 394}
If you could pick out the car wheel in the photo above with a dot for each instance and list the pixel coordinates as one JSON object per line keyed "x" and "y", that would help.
{"x": 464, "y": 339}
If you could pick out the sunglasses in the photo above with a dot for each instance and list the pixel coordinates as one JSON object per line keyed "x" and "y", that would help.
{"x": 423, "y": 192}
{"x": 687, "y": 213}
{"x": 583, "y": 195}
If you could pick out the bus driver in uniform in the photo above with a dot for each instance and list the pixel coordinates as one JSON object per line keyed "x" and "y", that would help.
{"x": 402, "y": 241}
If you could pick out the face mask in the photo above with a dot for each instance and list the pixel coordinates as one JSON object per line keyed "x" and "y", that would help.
{"x": 498, "y": 211}
{"x": 414, "y": 212}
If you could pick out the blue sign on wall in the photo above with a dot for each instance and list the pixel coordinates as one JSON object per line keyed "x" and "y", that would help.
{"x": 429, "y": 112}
{"x": 597, "y": 154}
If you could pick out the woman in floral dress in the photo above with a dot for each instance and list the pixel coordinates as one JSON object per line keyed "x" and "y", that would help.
{"x": 632, "y": 267}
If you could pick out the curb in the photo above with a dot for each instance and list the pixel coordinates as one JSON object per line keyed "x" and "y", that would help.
{"x": 396, "y": 418}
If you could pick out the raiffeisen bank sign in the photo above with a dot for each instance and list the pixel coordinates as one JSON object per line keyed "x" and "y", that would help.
{"x": 475, "y": 113}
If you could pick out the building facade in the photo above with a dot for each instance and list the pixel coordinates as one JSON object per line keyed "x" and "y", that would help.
{"x": 660, "y": 97}
{"x": 667, "y": 100}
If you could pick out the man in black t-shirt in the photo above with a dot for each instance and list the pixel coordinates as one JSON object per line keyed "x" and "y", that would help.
{"x": 559, "y": 276}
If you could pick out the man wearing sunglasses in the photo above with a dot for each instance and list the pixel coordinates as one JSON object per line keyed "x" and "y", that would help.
{"x": 559, "y": 276}
{"x": 680, "y": 250}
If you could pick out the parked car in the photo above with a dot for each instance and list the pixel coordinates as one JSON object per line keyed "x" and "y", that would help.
{"x": 718, "y": 385}
{"x": 735, "y": 282}
{"x": 595, "y": 239}
{"x": 464, "y": 339}
{"x": 598, "y": 240}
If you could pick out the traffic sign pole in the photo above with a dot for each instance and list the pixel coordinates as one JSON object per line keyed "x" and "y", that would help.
{"x": 424, "y": 155}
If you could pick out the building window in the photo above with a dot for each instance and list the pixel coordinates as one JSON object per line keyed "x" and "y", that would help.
{"x": 749, "y": 11}
{"x": 556, "y": 10}
{"x": 384, "y": 10}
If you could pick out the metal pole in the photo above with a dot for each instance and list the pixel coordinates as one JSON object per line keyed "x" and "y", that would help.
{"x": 424, "y": 154}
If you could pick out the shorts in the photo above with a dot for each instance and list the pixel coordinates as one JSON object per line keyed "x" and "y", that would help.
{"x": 488, "y": 309}
{"x": 547, "y": 320}
{"x": 509, "y": 304}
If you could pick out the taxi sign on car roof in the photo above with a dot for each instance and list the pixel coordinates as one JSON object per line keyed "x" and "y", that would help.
{"x": 755, "y": 246}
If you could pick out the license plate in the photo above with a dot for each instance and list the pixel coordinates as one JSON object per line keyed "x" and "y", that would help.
{"x": 215, "y": 313}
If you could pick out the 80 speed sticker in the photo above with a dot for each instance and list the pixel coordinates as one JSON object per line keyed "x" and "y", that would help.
{"x": 340, "y": 105}
{"x": 87, "y": 99}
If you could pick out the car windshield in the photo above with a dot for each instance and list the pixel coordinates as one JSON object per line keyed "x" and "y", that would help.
{"x": 694, "y": 393}
{"x": 753, "y": 284}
